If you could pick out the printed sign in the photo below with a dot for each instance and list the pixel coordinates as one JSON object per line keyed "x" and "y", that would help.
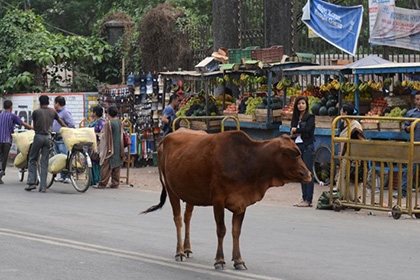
{"x": 338, "y": 25}
{"x": 396, "y": 27}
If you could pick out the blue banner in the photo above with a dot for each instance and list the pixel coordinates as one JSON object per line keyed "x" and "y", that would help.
{"x": 338, "y": 25}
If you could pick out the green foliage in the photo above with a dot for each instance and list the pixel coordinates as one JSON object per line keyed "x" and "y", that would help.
{"x": 29, "y": 52}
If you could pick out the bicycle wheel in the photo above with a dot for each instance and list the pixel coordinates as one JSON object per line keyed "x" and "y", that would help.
{"x": 80, "y": 171}
{"x": 322, "y": 164}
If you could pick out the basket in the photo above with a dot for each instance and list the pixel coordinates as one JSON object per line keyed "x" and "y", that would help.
{"x": 268, "y": 55}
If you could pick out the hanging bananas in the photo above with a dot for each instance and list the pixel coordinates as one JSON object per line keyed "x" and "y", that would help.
{"x": 284, "y": 82}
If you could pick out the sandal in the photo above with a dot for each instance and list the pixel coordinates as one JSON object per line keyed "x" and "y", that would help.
{"x": 303, "y": 204}
{"x": 98, "y": 187}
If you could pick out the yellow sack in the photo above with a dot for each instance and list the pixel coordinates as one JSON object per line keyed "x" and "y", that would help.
{"x": 57, "y": 163}
{"x": 21, "y": 161}
{"x": 23, "y": 141}
{"x": 73, "y": 136}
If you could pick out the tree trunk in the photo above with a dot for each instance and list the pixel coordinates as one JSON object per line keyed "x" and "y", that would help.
{"x": 225, "y": 24}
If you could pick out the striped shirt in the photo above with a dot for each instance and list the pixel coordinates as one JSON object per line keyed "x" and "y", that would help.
{"x": 8, "y": 121}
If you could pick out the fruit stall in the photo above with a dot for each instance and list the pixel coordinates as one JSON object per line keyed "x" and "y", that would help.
{"x": 383, "y": 89}
{"x": 376, "y": 90}
{"x": 260, "y": 103}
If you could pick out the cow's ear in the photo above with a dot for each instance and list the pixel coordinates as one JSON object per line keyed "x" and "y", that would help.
{"x": 292, "y": 151}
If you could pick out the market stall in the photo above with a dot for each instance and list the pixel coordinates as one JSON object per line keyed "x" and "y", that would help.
{"x": 264, "y": 121}
{"x": 380, "y": 89}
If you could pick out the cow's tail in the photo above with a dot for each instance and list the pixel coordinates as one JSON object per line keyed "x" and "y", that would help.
{"x": 163, "y": 195}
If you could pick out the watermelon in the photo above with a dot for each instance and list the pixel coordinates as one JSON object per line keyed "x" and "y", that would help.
{"x": 332, "y": 111}
{"x": 323, "y": 111}
{"x": 330, "y": 103}
{"x": 315, "y": 108}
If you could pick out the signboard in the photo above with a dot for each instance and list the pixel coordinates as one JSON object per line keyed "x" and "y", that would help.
{"x": 396, "y": 27}
{"x": 338, "y": 25}
{"x": 373, "y": 10}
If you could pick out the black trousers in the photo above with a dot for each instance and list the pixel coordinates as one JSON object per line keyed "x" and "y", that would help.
{"x": 4, "y": 155}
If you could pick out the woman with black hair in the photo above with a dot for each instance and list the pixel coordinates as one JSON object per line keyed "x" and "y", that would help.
{"x": 303, "y": 132}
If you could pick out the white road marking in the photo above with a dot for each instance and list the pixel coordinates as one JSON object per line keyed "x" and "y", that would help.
{"x": 198, "y": 268}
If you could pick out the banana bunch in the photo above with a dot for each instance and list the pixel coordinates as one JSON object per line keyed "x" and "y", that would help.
{"x": 376, "y": 86}
{"x": 415, "y": 85}
{"x": 363, "y": 87}
{"x": 220, "y": 80}
{"x": 226, "y": 78}
{"x": 325, "y": 87}
{"x": 284, "y": 82}
{"x": 261, "y": 79}
{"x": 387, "y": 82}
{"x": 335, "y": 84}
{"x": 244, "y": 78}
{"x": 397, "y": 85}
{"x": 348, "y": 87}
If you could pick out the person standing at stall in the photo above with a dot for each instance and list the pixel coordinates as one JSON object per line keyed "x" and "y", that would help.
{"x": 97, "y": 122}
{"x": 303, "y": 132}
{"x": 356, "y": 132}
{"x": 169, "y": 113}
{"x": 413, "y": 113}
{"x": 111, "y": 150}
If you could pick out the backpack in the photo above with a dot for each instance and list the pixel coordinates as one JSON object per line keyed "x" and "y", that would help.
{"x": 324, "y": 200}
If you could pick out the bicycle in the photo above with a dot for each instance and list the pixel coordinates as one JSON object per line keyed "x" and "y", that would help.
{"x": 78, "y": 167}
{"x": 24, "y": 168}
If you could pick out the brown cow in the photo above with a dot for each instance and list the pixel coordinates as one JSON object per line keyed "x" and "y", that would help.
{"x": 226, "y": 170}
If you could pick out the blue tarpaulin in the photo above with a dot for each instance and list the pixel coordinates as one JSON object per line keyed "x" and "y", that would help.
{"x": 338, "y": 25}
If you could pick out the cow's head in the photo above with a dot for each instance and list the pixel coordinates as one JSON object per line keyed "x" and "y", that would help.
{"x": 288, "y": 162}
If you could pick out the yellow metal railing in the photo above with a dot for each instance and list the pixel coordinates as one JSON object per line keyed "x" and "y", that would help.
{"x": 207, "y": 120}
{"x": 377, "y": 157}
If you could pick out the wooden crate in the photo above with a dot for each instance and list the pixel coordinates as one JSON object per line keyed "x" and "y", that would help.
{"x": 323, "y": 121}
{"x": 286, "y": 122}
{"x": 231, "y": 114}
{"x": 286, "y": 116}
{"x": 390, "y": 126}
{"x": 246, "y": 118}
{"x": 370, "y": 125}
{"x": 202, "y": 125}
{"x": 261, "y": 115}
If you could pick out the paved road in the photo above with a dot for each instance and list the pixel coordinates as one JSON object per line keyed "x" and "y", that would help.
{"x": 98, "y": 235}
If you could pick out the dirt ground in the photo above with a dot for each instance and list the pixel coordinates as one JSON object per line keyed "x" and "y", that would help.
{"x": 147, "y": 179}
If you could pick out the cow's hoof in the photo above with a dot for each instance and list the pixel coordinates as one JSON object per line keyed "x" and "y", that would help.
{"x": 240, "y": 266}
{"x": 220, "y": 265}
{"x": 180, "y": 258}
{"x": 188, "y": 253}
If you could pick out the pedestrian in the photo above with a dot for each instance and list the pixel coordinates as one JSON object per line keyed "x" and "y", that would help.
{"x": 303, "y": 132}
{"x": 8, "y": 120}
{"x": 356, "y": 132}
{"x": 169, "y": 113}
{"x": 111, "y": 150}
{"x": 413, "y": 113}
{"x": 59, "y": 146}
{"x": 42, "y": 118}
{"x": 97, "y": 122}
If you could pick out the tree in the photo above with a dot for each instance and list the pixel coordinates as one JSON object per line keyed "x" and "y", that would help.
{"x": 29, "y": 52}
